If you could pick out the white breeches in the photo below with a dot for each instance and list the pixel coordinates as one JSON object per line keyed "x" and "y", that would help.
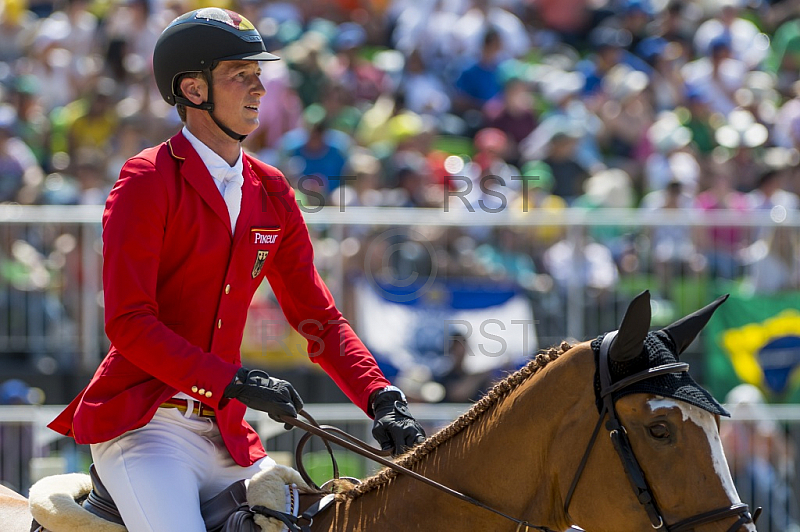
{"x": 160, "y": 474}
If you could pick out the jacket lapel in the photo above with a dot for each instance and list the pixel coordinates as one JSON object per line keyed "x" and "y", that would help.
{"x": 196, "y": 173}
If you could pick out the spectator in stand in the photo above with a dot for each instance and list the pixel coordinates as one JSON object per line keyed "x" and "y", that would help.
{"x": 428, "y": 27}
{"x": 358, "y": 75}
{"x": 560, "y": 137}
{"x": 743, "y": 137}
{"x": 581, "y": 262}
{"x": 786, "y": 130}
{"x": 137, "y": 25}
{"x": 91, "y": 175}
{"x": 19, "y": 170}
{"x": 568, "y": 114}
{"x": 513, "y": 113}
{"x": 674, "y": 26}
{"x": 461, "y": 386}
{"x": 424, "y": 91}
{"x": 611, "y": 188}
{"x": 716, "y": 77}
{"x": 626, "y": 114}
{"x": 96, "y": 127}
{"x": 668, "y": 137}
{"x": 364, "y": 190}
{"x": 570, "y": 18}
{"x": 413, "y": 177}
{"x": 771, "y": 262}
{"x": 11, "y": 168}
{"x": 16, "y": 25}
{"x": 673, "y": 253}
{"x": 634, "y": 18}
{"x": 33, "y": 125}
{"x": 666, "y": 82}
{"x": 506, "y": 257}
{"x": 74, "y": 27}
{"x": 318, "y": 157}
{"x": 129, "y": 140}
{"x": 537, "y": 197}
{"x": 482, "y": 17}
{"x": 65, "y": 40}
{"x": 699, "y": 121}
{"x": 479, "y": 83}
{"x": 769, "y": 193}
{"x": 784, "y": 56}
{"x": 722, "y": 244}
{"x": 609, "y": 47}
{"x": 747, "y": 43}
{"x": 305, "y": 58}
{"x": 492, "y": 149}
{"x": 341, "y": 112}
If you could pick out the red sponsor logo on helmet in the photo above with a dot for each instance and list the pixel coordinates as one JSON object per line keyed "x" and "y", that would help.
{"x": 231, "y": 18}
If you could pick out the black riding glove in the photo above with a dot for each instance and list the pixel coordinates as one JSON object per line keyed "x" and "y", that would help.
{"x": 256, "y": 389}
{"x": 395, "y": 428}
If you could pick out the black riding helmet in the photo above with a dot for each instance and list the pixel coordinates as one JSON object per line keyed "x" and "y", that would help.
{"x": 196, "y": 42}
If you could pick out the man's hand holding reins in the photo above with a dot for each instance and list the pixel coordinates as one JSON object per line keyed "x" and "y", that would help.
{"x": 394, "y": 428}
{"x": 256, "y": 389}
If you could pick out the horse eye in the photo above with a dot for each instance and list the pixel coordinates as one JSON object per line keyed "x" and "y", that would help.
{"x": 659, "y": 430}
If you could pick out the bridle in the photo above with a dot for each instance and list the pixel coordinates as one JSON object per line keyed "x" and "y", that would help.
{"x": 619, "y": 438}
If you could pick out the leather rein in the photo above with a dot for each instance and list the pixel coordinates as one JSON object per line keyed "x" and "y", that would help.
{"x": 335, "y": 435}
{"x": 633, "y": 470}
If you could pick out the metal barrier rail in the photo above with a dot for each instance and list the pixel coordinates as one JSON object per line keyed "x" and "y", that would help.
{"x": 762, "y": 446}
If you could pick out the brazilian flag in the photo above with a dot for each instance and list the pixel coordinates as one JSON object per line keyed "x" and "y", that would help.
{"x": 756, "y": 340}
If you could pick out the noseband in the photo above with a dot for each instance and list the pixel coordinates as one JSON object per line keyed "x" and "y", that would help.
{"x": 619, "y": 437}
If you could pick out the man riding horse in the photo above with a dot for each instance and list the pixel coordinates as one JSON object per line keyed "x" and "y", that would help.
{"x": 190, "y": 230}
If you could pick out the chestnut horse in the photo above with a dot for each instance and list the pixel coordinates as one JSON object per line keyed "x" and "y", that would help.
{"x": 530, "y": 449}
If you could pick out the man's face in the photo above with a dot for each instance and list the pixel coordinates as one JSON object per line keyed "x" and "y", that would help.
{"x": 237, "y": 94}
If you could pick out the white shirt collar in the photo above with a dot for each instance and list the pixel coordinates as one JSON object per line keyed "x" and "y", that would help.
{"x": 219, "y": 169}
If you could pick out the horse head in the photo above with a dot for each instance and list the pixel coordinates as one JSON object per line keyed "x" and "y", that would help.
{"x": 664, "y": 465}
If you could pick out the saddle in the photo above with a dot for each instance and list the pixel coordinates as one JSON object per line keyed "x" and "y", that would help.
{"x": 226, "y": 512}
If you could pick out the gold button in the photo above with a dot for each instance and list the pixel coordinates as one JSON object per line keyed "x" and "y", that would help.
{"x": 219, "y": 323}
{"x": 227, "y": 289}
{"x": 194, "y": 389}
{"x": 201, "y": 391}
{"x": 209, "y": 394}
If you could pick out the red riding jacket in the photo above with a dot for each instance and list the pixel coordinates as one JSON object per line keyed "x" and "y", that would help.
{"x": 177, "y": 289}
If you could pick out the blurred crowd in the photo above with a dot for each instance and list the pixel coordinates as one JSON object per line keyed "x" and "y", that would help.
{"x": 499, "y": 105}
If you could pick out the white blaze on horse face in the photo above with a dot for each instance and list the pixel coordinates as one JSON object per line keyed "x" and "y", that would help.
{"x": 706, "y": 421}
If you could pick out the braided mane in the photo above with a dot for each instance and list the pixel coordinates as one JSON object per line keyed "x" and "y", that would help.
{"x": 492, "y": 398}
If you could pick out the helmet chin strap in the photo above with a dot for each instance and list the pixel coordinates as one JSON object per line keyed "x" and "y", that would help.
{"x": 225, "y": 129}
{"x": 208, "y": 105}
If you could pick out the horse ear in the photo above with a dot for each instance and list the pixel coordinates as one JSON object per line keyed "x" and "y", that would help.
{"x": 633, "y": 329}
{"x": 685, "y": 330}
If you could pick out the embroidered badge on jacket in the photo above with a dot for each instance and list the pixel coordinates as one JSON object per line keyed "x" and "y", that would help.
{"x": 260, "y": 258}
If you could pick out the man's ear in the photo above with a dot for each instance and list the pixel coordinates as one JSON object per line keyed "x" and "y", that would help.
{"x": 193, "y": 89}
